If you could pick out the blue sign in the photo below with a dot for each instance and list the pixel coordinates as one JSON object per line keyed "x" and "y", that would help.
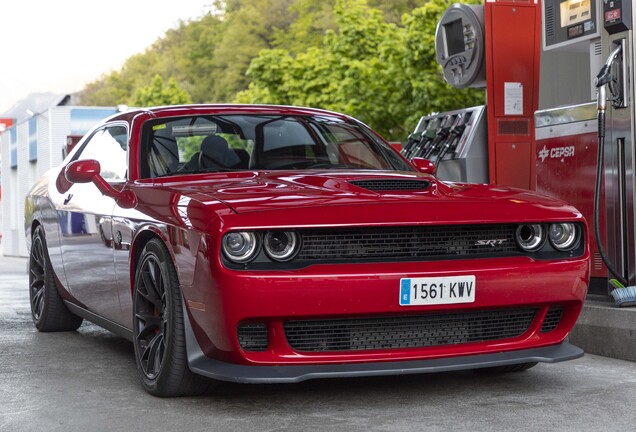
{"x": 33, "y": 139}
{"x": 405, "y": 292}
{"x": 13, "y": 146}
{"x": 83, "y": 119}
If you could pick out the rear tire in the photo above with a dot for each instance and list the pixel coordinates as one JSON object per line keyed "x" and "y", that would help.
{"x": 159, "y": 336}
{"x": 47, "y": 308}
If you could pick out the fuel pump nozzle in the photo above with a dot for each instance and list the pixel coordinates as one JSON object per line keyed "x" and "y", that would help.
{"x": 455, "y": 135}
{"x": 442, "y": 134}
{"x": 605, "y": 77}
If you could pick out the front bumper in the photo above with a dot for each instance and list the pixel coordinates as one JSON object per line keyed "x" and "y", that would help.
{"x": 218, "y": 304}
{"x": 201, "y": 364}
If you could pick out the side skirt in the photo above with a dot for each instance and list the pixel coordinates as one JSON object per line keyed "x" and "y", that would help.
{"x": 109, "y": 325}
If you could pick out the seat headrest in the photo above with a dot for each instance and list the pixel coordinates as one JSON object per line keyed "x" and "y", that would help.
{"x": 216, "y": 153}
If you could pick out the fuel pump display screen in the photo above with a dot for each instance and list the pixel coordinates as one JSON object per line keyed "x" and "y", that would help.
{"x": 575, "y": 11}
{"x": 567, "y": 22}
{"x": 454, "y": 35}
{"x": 575, "y": 31}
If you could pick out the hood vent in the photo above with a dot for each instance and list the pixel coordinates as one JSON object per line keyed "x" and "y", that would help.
{"x": 381, "y": 185}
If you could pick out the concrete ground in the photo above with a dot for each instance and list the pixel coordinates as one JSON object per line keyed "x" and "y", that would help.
{"x": 87, "y": 380}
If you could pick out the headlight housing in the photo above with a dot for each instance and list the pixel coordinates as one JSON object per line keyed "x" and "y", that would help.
{"x": 530, "y": 237}
{"x": 281, "y": 245}
{"x": 240, "y": 246}
{"x": 563, "y": 236}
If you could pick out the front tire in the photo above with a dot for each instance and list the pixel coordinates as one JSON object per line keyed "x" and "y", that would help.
{"x": 159, "y": 337}
{"x": 48, "y": 311}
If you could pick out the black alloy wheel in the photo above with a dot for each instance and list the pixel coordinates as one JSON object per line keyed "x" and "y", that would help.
{"x": 159, "y": 336}
{"x": 150, "y": 313}
{"x": 48, "y": 311}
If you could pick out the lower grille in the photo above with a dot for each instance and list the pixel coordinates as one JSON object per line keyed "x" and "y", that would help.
{"x": 552, "y": 319}
{"x": 252, "y": 337}
{"x": 407, "y": 332}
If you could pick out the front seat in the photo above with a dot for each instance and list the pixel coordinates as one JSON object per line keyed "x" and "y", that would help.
{"x": 215, "y": 153}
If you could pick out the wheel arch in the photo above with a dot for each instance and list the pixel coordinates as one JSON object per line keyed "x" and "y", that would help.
{"x": 141, "y": 239}
{"x": 30, "y": 230}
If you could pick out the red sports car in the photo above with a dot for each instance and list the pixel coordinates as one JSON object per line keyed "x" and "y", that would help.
{"x": 265, "y": 244}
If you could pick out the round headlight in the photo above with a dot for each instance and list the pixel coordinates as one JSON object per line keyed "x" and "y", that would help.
{"x": 563, "y": 236}
{"x": 240, "y": 246}
{"x": 281, "y": 245}
{"x": 530, "y": 237}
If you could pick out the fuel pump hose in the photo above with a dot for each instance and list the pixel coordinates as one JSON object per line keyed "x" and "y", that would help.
{"x": 603, "y": 79}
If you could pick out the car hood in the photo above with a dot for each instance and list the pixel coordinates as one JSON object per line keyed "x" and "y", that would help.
{"x": 246, "y": 192}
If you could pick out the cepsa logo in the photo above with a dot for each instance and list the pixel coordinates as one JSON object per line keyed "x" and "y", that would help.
{"x": 556, "y": 153}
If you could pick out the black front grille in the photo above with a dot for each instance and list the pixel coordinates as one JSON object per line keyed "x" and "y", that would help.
{"x": 408, "y": 242}
{"x": 407, "y": 332}
{"x": 252, "y": 337}
{"x": 552, "y": 319}
{"x": 392, "y": 185}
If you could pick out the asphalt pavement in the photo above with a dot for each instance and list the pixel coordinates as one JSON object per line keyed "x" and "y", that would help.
{"x": 87, "y": 381}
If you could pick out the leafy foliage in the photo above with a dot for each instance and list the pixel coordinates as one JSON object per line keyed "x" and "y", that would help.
{"x": 372, "y": 59}
{"x": 384, "y": 74}
{"x": 160, "y": 93}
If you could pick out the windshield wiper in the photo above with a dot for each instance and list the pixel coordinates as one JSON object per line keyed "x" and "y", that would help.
{"x": 331, "y": 165}
{"x": 198, "y": 171}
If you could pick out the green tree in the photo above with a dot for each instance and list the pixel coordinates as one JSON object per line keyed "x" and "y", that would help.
{"x": 161, "y": 93}
{"x": 248, "y": 27}
{"x": 384, "y": 74}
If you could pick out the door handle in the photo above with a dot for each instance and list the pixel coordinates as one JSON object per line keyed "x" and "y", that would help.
{"x": 68, "y": 198}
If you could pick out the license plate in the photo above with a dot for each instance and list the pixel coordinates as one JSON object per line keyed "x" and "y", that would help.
{"x": 437, "y": 290}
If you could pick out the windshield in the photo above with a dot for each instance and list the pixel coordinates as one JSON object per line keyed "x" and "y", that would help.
{"x": 262, "y": 142}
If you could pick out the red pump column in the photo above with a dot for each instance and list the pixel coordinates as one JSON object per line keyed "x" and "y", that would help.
{"x": 513, "y": 47}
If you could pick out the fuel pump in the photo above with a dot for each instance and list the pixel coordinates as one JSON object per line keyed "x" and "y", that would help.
{"x": 603, "y": 80}
{"x": 585, "y": 130}
{"x": 615, "y": 85}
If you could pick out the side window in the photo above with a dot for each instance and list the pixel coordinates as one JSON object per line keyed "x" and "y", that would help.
{"x": 108, "y": 147}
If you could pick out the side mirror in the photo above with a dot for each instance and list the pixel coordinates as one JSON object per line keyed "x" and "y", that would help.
{"x": 82, "y": 171}
{"x": 87, "y": 171}
{"x": 424, "y": 165}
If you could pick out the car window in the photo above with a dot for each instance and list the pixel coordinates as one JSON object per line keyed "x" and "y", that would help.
{"x": 261, "y": 142}
{"x": 109, "y": 147}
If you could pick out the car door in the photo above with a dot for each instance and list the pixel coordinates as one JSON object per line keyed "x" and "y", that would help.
{"x": 86, "y": 225}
